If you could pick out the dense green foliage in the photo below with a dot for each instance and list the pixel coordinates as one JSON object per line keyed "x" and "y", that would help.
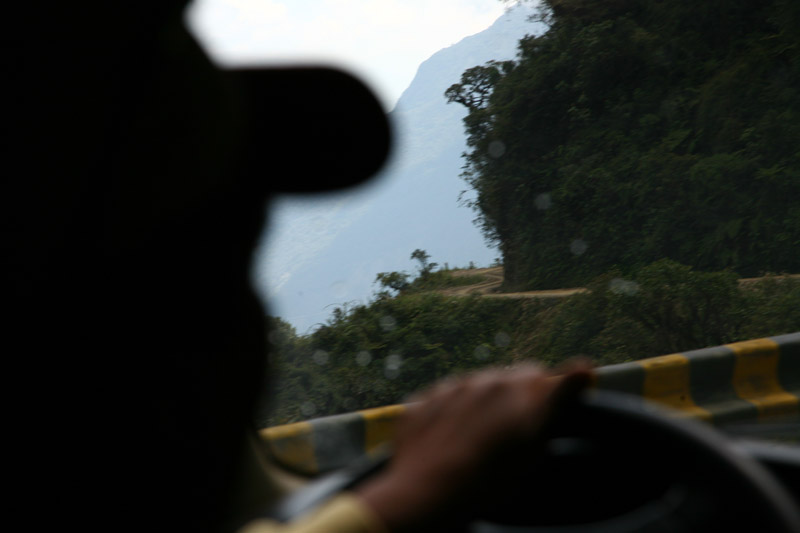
{"x": 662, "y": 308}
{"x": 427, "y": 278}
{"x": 645, "y": 150}
{"x": 636, "y": 130}
{"x": 378, "y": 354}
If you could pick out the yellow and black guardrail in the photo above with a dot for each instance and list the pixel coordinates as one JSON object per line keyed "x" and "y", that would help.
{"x": 754, "y": 381}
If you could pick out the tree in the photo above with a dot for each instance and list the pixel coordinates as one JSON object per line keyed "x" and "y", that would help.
{"x": 396, "y": 281}
{"x": 477, "y": 84}
{"x": 581, "y": 150}
{"x": 425, "y": 268}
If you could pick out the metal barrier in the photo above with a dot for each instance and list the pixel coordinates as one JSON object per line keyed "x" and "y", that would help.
{"x": 754, "y": 380}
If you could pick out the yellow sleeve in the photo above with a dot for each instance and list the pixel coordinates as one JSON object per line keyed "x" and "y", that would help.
{"x": 343, "y": 514}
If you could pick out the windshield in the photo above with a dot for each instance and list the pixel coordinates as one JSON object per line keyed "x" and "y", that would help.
{"x": 614, "y": 181}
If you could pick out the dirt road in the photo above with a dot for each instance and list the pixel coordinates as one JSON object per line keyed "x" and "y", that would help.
{"x": 493, "y": 279}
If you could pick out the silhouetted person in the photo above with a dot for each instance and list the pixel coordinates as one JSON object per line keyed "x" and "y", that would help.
{"x": 136, "y": 187}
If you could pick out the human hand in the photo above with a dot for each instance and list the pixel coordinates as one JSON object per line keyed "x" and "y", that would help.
{"x": 456, "y": 435}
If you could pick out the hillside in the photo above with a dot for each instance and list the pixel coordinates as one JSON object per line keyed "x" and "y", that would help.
{"x": 376, "y": 354}
{"x": 491, "y": 285}
{"x": 634, "y": 131}
{"x": 325, "y": 251}
{"x": 643, "y": 154}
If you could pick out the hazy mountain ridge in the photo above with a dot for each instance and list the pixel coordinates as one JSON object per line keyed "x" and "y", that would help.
{"x": 325, "y": 251}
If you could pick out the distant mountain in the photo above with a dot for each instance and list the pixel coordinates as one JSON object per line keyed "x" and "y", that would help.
{"x": 325, "y": 251}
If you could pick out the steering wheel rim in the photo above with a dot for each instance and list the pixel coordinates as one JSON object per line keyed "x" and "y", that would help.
{"x": 586, "y": 421}
{"x": 677, "y": 443}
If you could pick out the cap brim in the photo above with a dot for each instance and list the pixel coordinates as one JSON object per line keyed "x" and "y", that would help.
{"x": 312, "y": 129}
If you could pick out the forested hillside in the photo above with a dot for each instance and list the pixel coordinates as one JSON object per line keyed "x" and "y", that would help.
{"x": 635, "y": 130}
{"x": 327, "y": 250}
{"x": 647, "y": 151}
{"x": 411, "y": 335}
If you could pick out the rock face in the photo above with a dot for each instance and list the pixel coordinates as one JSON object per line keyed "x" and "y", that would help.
{"x": 325, "y": 251}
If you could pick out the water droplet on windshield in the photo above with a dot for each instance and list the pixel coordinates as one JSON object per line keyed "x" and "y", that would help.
{"x": 623, "y": 286}
{"x": 363, "y": 358}
{"x": 578, "y": 247}
{"x": 497, "y": 148}
{"x": 543, "y": 201}
{"x": 350, "y": 403}
{"x": 391, "y": 365}
{"x": 393, "y": 361}
{"x": 320, "y": 357}
{"x": 502, "y": 339}
{"x": 388, "y": 323}
{"x": 482, "y": 352}
{"x": 274, "y": 337}
{"x": 308, "y": 409}
{"x": 339, "y": 289}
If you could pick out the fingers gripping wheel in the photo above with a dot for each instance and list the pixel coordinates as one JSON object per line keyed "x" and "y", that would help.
{"x": 614, "y": 464}
{"x": 617, "y": 464}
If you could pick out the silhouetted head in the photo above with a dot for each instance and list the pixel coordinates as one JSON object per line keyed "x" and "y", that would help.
{"x": 143, "y": 175}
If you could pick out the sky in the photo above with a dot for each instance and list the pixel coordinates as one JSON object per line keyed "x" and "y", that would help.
{"x": 381, "y": 41}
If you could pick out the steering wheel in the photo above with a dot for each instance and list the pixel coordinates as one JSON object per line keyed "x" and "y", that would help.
{"x": 614, "y": 464}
